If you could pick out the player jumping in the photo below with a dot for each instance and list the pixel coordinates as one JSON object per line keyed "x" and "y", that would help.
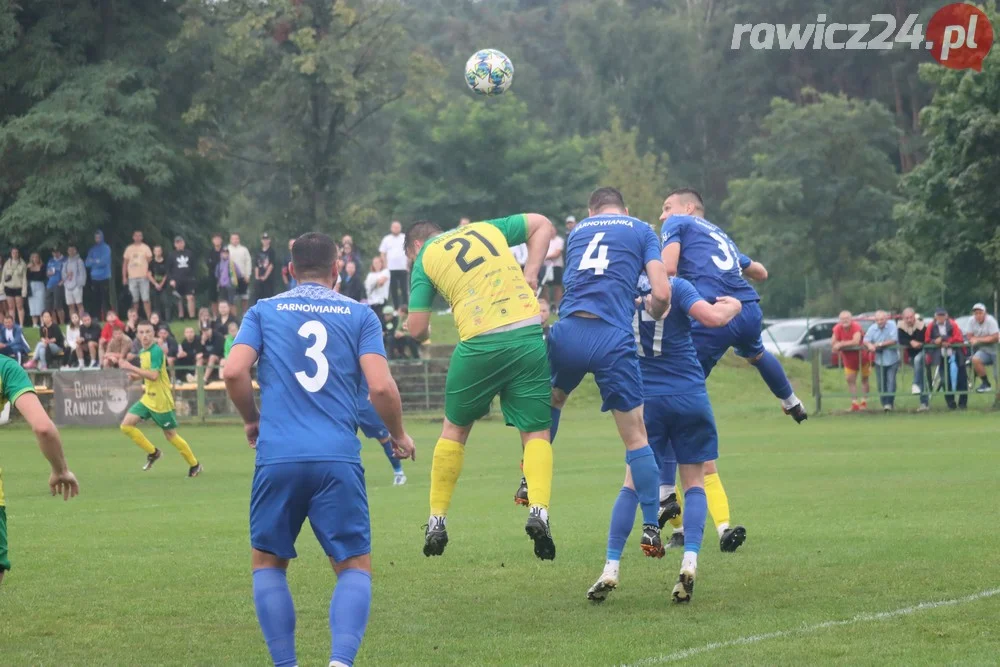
{"x": 157, "y": 402}
{"x": 501, "y": 351}
{"x": 315, "y": 348}
{"x": 605, "y": 255}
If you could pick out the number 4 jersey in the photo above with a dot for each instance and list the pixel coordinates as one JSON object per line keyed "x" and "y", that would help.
{"x": 309, "y": 342}
{"x": 708, "y": 259}
{"x": 474, "y": 270}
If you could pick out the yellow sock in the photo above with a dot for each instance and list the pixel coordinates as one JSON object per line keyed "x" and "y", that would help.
{"x": 718, "y": 502}
{"x": 445, "y": 469}
{"x": 184, "y": 448}
{"x": 138, "y": 438}
{"x": 678, "y": 520}
{"x": 538, "y": 471}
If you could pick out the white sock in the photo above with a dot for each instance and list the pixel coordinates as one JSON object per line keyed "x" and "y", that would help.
{"x": 610, "y": 569}
{"x": 666, "y": 490}
{"x": 334, "y": 663}
{"x": 721, "y": 528}
{"x": 542, "y": 512}
{"x": 790, "y": 402}
{"x": 678, "y": 530}
{"x": 690, "y": 561}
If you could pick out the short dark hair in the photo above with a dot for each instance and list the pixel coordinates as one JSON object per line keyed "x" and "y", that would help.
{"x": 688, "y": 192}
{"x": 313, "y": 255}
{"x": 607, "y": 197}
{"x": 420, "y": 231}
{"x": 144, "y": 323}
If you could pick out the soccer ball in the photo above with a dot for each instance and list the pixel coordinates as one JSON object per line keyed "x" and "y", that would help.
{"x": 489, "y": 72}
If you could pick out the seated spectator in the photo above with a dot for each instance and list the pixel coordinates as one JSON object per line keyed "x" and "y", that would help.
{"x": 157, "y": 323}
{"x": 230, "y": 339}
{"x": 545, "y": 313}
{"x": 351, "y": 284}
{"x": 377, "y": 285}
{"x": 72, "y": 339}
{"x": 225, "y": 318}
{"x": 911, "y": 339}
{"x": 404, "y": 342}
{"x": 90, "y": 339}
{"x": 168, "y": 344}
{"x": 348, "y": 252}
{"x": 190, "y": 352}
{"x": 881, "y": 340}
{"x": 132, "y": 323}
{"x": 118, "y": 348}
{"x": 110, "y": 324}
{"x": 205, "y": 318}
{"x": 50, "y": 343}
{"x": 947, "y": 358}
{"x": 983, "y": 335}
{"x": 12, "y": 341}
{"x": 211, "y": 346}
{"x": 847, "y": 342}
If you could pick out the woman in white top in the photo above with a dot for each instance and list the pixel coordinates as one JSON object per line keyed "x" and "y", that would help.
{"x": 72, "y": 339}
{"x": 377, "y": 285}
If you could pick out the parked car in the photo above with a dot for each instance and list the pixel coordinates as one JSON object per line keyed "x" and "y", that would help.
{"x": 797, "y": 338}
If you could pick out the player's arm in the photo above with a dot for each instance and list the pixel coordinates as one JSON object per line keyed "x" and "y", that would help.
{"x": 716, "y": 314}
{"x": 239, "y": 384}
{"x": 658, "y": 301}
{"x": 382, "y": 390}
{"x": 540, "y": 231}
{"x": 62, "y": 480}
{"x": 753, "y": 270}
{"x": 422, "y": 292}
{"x": 670, "y": 255}
{"x": 148, "y": 374}
{"x": 419, "y": 325}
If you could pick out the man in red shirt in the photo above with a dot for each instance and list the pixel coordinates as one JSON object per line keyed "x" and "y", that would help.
{"x": 847, "y": 336}
{"x": 111, "y": 323}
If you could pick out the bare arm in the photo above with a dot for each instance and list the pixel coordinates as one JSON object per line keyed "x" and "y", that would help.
{"x": 658, "y": 301}
{"x": 756, "y": 272}
{"x": 419, "y": 325}
{"x": 671, "y": 254}
{"x": 384, "y": 395}
{"x": 718, "y": 314}
{"x": 540, "y": 232}
{"x": 135, "y": 370}
{"x": 62, "y": 481}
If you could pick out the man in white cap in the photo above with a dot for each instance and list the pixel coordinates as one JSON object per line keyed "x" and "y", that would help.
{"x": 983, "y": 335}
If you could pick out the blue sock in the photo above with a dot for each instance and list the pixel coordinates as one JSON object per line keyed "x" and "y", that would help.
{"x": 668, "y": 472}
{"x": 695, "y": 511}
{"x": 622, "y": 518}
{"x": 646, "y": 476}
{"x": 397, "y": 466}
{"x": 275, "y": 613}
{"x": 774, "y": 375}
{"x": 349, "y": 607}
{"x": 556, "y": 413}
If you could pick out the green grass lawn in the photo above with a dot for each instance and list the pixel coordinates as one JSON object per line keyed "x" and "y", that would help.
{"x": 845, "y": 516}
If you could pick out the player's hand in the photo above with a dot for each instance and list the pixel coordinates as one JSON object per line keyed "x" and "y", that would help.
{"x": 64, "y": 483}
{"x": 731, "y": 302}
{"x": 253, "y": 432}
{"x": 532, "y": 283}
{"x": 403, "y": 448}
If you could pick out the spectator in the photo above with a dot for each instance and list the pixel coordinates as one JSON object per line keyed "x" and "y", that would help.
{"x": 214, "y": 255}
{"x": 118, "y": 348}
{"x": 169, "y": 346}
{"x": 286, "y": 267}
{"x": 211, "y": 346}
{"x": 159, "y": 271}
{"x": 90, "y": 339}
{"x": 74, "y": 277}
{"x": 99, "y": 263}
{"x": 351, "y": 284}
{"x": 72, "y": 339}
{"x": 55, "y": 294}
{"x": 947, "y": 358}
{"x": 15, "y": 284}
{"x": 983, "y": 335}
{"x": 111, "y": 324}
{"x": 50, "y": 343}
{"x": 882, "y": 339}
{"x": 464, "y": 221}
{"x": 545, "y": 313}
{"x": 404, "y": 341}
{"x": 135, "y": 271}
{"x": 190, "y": 352}
{"x": 12, "y": 341}
{"x": 552, "y": 270}
{"x": 394, "y": 259}
{"x": 911, "y": 339}
{"x": 230, "y": 338}
{"x": 132, "y": 323}
{"x": 846, "y": 342}
{"x": 3, "y": 295}
{"x": 349, "y": 253}
{"x": 570, "y": 224}
{"x": 225, "y": 318}
{"x": 240, "y": 257}
{"x": 36, "y": 288}
{"x": 520, "y": 253}
{"x": 229, "y": 281}
{"x": 377, "y": 285}
{"x": 390, "y": 322}
{"x": 182, "y": 277}
{"x": 205, "y": 318}
{"x": 264, "y": 269}
{"x": 157, "y": 323}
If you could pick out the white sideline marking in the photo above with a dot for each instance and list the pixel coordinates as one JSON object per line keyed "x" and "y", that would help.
{"x": 860, "y": 618}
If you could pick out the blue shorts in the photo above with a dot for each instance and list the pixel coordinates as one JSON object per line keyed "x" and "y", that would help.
{"x": 369, "y": 421}
{"x": 684, "y": 423}
{"x": 580, "y": 345}
{"x": 742, "y": 334}
{"x": 330, "y": 493}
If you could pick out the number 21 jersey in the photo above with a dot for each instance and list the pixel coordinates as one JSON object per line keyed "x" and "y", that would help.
{"x": 708, "y": 259}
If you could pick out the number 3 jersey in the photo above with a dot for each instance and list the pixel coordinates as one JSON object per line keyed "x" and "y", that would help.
{"x": 474, "y": 270}
{"x": 309, "y": 342}
{"x": 708, "y": 259}
{"x": 604, "y": 256}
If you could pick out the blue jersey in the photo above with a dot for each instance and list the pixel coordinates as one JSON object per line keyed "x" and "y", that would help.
{"x": 604, "y": 256}
{"x": 667, "y": 355}
{"x": 309, "y": 341}
{"x": 708, "y": 259}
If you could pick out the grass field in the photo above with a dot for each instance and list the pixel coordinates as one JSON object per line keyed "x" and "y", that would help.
{"x": 847, "y": 517}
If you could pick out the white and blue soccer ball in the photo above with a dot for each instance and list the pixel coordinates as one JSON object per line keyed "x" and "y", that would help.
{"x": 489, "y": 72}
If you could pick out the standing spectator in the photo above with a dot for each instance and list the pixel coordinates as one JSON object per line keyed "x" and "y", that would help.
{"x": 225, "y": 318}
{"x": 983, "y": 336}
{"x": 112, "y": 323}
{"x": 182, "y": 277}
{"x": 544, "y": 312}
{"x": 3, "y": 295}
{"x": 74, "y": 277}
{"x": 349, "y": 253}
{"x": 72, "y": 339}
{"x": 264, "y": 269}
{"x": 377, "y": 285}
{"x": 570, "y": 224}
{"x": 394, "y": 258}
{"x": 15, "y": 284}
{"x": 214, "y": 255}
{"x": 947, "y": 358}
{"x": 90, "y": 340}
{"x": 12, "y": 341}
{"x": 135, "y": 271}
{"x": 229, "y": 281}
{"x": 911, "y": 339}
{"x": 351, "y": 284}
{"x": 55, "y": 294}
{"x": 159, "y": 271}
{"x": 286, "y": 267}
{"x": 462, "y": 222}
{"x": 553, "y": 270}
{"x": 36, "y": 288}
{"x": 520, "y": 253}
{"x": 118, "y": 348}
{"x": 882, "y": 339}
{"x": 99, "y": 263}
{"x": 50, "y": 342}
{"x": 847, "y": 341}
{"x": 240, "y": 257}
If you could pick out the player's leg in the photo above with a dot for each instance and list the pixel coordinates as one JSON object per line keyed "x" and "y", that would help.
{"x": 446, "y": 467}
{"x": 730, "y": 537}
{"x": 746, "y": 329}
{"x": 866, "y": 371}
{"x": 4, "y": 556}
{"x": 130, "y": 427}
{"x": 622, "y": 520}
{"x": 852, "y": 387}
{"x": 695, "y": 510}
{"x": 168, "y": 422}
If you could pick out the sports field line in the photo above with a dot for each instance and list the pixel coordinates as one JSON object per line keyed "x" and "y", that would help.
{"x": 806, "y": 629}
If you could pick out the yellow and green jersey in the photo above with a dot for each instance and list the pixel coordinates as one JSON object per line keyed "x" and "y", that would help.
{"x": 14, "y": 382}
{"x": 473, "y": 268}
{"x": 158, "y": 397}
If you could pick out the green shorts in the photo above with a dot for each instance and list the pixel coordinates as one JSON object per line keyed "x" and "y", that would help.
{"x": 4, "y": 559}
{"x": 165, "y": 420}
{"x": 513, "y": 364}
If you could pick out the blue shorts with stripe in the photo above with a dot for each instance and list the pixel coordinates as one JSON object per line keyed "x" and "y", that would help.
{"x": 681, "y": 428}
{"x": 581, "y": 345}
{"x": 742, "y": 334}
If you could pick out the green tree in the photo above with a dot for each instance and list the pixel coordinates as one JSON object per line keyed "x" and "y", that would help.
{"x": 642, "y": 177}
